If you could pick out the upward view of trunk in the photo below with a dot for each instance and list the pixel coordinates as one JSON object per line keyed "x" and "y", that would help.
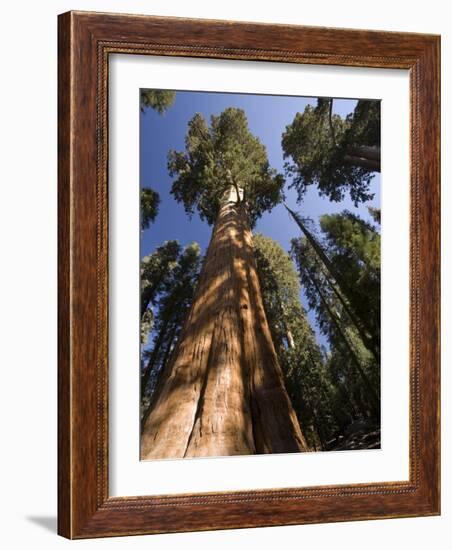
{"x": 222, "y": 392}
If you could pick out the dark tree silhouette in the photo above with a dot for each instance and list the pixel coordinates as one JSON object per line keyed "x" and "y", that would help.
{"x": 155, "y": 271}
{"x": 149, "y": 203}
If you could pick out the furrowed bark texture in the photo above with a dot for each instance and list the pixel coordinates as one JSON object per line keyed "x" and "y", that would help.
{"x": 223, "y": 392}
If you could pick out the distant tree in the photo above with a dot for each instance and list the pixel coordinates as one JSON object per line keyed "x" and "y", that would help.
{"x": 375, "y": 213}
{"x": 172, "y": 306}
{"x": 149, "y": 205}
{"x": 279, "y": 286}
{"x": 342, "y": 282}
{"x": 336, "y": 154}
{"x": 223, "y": 390}
{"x": 354, "y": 247}
{"x": 155, "y": 270}
{"x": 159, "y": 100}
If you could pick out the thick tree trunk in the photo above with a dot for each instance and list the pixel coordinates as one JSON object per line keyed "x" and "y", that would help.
{"x": 222, "y": 392}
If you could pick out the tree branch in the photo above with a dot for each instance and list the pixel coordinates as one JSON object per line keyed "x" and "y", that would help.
{"x": 366, "y": 152}
{"x": 367, "y": 164}
{"x": 330, "y": 121}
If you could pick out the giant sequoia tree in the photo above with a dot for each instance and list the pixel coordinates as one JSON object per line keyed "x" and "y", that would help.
{"x": 222, "y": 392}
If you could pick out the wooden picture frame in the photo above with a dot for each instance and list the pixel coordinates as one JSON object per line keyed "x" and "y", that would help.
{"x": 86, "y": 40}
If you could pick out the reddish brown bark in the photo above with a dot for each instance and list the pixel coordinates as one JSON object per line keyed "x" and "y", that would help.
{"x": 223, "y": 391}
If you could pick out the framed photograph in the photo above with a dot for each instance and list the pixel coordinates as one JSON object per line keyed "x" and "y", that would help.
{"x": 248, "y": 275}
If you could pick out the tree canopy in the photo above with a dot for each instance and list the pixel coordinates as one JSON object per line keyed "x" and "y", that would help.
{"x": 217, "y": 157}
{"x": 159, "y": 100}
{"x": 156, "y": 268}
{"x": 279, "y": 285}
{"x": 336, "y": 154}
{"x": 149, "y": 202}
{"x": 355, "y": 251}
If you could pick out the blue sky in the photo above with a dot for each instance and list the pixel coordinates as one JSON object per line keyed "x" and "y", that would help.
{"x": 267, "y": 117}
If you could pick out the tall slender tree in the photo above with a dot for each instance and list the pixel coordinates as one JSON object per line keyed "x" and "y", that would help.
{"x": 362, "y": 370}
{"x": 354, "y": 249}
{"x": 343, "y": 281}
{"x": 156, "y": 269}
{"x": 149, "y": 206}
{"x": 223, "y": 392}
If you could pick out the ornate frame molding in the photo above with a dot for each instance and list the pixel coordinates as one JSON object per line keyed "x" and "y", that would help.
{"x": 85, "y": 42}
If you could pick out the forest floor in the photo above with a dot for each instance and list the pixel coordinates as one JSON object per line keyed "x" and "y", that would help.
{"x": 358, "y": 436}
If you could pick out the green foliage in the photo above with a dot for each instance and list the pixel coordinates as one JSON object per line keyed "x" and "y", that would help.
{"x": 317, "y": 142}
{"x": 353, "y": 248}
{"x": 155, "y": 270}
{"x": 340, "y": 285}
{"x": 217, "y": 157}
{"x": 171, "y": 308}
{"x": 375, "y": 213}
{"x": 279, "y": 286}
{"x": 149, "y": 206}
{"x": 364, "y": 125}
{"x": 159, "y": 100}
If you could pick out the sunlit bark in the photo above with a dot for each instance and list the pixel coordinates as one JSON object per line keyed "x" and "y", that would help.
{"x": 222, "y": 392}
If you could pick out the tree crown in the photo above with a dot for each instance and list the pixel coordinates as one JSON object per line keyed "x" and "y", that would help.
{"x": 318, "y": 141}
{"x": 220, "y": 156}
{"x": 159, "y": 100}
{"x": 149, "y": 202}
